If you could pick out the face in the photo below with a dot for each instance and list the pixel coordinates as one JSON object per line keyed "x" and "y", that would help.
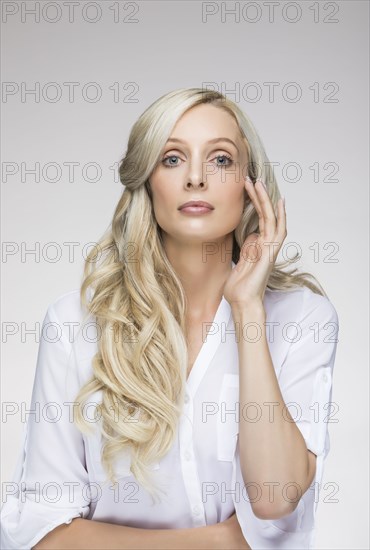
{"x": 204, "y": 159}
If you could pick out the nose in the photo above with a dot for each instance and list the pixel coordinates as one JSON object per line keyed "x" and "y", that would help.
{"x": 195, "y": 176}
{"x": 191, "y": 183}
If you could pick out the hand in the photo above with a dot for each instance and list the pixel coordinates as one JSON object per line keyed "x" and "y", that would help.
{"x": 247, "y": 282}
{"x": 231, "y": 535}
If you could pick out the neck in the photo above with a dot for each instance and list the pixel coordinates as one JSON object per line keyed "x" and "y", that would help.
{"x": 202, "y": 273}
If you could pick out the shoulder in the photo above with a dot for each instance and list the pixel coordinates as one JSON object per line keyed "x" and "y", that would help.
{"x": 67, "y": 307}
{"x": 300, "y": 304}
{"x": 72, "y": 322}
{"x": 307, "y": 329}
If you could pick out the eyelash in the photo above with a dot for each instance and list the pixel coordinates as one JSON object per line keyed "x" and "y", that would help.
{"x": 175, "y": 165}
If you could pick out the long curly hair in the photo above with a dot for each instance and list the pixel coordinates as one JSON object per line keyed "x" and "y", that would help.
{"x": 138, "y": 300}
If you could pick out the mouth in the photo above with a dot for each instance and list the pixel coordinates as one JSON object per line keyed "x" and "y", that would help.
{"x": 196, "y": 207}
{"x": 195, "y": 210}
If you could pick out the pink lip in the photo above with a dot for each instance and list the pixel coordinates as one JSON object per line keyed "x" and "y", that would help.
{"x": 195, "y": 210}
{"x": 197, "y": 204}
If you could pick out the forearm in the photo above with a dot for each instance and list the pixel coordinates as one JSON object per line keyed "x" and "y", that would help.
{"x": 272, "y": 449}
{"x": 86, "y": 534}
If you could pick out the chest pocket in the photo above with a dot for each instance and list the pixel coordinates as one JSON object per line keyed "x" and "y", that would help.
{"x": 228, "y": 417}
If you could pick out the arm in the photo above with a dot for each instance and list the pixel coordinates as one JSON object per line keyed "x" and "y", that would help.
{"x": 285, "y": 449}
{"x": 93, "y": 535}
{"x": 87, "y": 534}
{"x": 270, "y": 451}
{"x": 52, "y": 453}
{"x": 277, "y": 454}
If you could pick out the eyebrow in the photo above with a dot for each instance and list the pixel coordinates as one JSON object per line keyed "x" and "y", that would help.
{"x": 215, "y": 140}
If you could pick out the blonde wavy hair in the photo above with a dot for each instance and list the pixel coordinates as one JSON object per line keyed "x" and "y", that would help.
{"x": 133, "y": 285}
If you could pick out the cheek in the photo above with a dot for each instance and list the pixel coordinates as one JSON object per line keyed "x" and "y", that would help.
{"x": 157, "y": 187}
{"x": 236, "y": 205}
{"x": 234, "y": 196}
{"x": 164, "y": 197}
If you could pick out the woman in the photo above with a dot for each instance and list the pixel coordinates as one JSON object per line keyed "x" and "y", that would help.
{"x": 173, "y": 426}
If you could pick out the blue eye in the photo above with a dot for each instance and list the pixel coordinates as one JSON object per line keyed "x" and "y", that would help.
{"x": 230, "y": 161}
{"x": 171, "y": 165}
{"x": 169, "y": 157}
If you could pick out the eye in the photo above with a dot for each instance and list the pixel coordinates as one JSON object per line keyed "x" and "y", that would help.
{"x": 229, "y": 160}
{"x": 170, "y": 157}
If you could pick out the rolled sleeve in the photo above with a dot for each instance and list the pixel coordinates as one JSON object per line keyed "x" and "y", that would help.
{"x": 50, "y": 484}
{"x": 306, "y": 375}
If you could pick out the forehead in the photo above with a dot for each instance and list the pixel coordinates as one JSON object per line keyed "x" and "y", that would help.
{"x": 206, "y": 121}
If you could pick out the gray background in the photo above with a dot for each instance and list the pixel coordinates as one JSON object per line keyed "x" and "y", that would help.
{"x": 156, "y": 47}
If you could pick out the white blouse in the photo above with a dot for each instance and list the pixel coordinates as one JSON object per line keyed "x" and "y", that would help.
{"x": 59, "y": 475}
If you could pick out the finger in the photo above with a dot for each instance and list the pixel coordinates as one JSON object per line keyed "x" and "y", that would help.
{"x": 281, "y": 220}
{"x": 267, "y": 208}
{"x": 249, "y": 251}
{"x": 256, "y": 203}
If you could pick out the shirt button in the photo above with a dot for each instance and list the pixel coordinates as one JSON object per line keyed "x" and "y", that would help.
{"x": 187, "y": 455}
{"x": 325, "y": 378}
{"x": 186, "y": 398}
{"x": 196, "y": 510}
